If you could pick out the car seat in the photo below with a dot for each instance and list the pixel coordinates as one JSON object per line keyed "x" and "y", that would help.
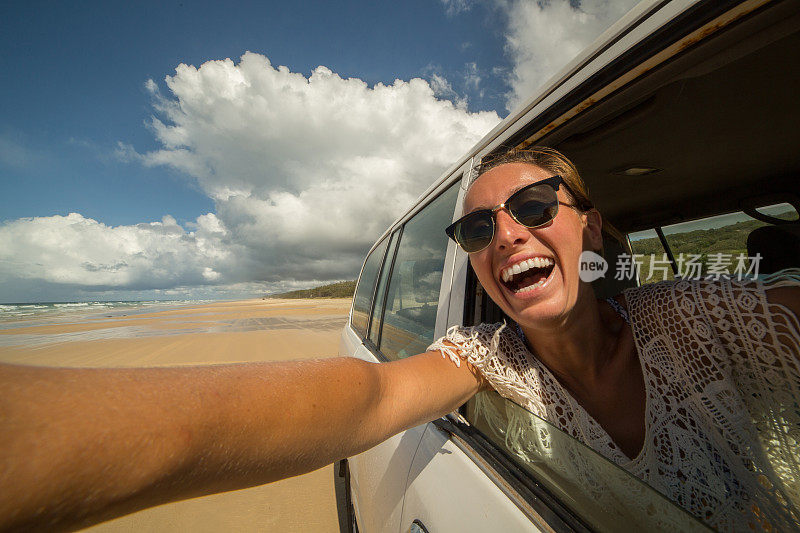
{"x": 778, "y": 245}
{"x": 608, "y": 286}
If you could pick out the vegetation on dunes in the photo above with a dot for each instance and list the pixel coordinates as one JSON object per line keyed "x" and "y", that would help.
{"x": 341, "y": 289}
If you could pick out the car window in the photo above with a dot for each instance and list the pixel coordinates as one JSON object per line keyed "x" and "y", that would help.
{"x": 596, "y": 490}
{"x": 380, "y": 298}
{"x": 712, "y": 246}
{"x": 412, "y": 298}
{"x": 366, "y": 288}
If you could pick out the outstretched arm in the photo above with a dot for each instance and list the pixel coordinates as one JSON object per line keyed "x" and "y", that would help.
{"x": 78, "y": 446}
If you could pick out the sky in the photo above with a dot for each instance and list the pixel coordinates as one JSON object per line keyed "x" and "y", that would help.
{"x": 172, "y": 150}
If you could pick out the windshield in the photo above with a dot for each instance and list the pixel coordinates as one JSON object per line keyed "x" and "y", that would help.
{"x": 602, "y": 494}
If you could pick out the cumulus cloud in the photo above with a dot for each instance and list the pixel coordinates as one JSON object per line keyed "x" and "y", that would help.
{"x": 305, "y": 173}
{"x": 78, "y": 251}
{"x": 544, "y": 36}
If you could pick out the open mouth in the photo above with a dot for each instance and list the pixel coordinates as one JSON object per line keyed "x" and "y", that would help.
{"x": 527, "y": 275}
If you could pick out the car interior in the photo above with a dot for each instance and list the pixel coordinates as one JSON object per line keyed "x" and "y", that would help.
{"x": 731, "y": 138}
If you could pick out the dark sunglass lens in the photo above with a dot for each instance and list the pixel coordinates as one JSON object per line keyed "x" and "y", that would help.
{"x": 534, "y": 206}
{"x": 475, "y": 231}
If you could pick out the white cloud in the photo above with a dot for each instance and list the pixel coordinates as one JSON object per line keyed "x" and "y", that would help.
{"x": 305, "y": 173}
{"x": 442, "y": 89}
{"x": 151, "y": 86}
{"x": 254, "y": 130}
{"x": 544, "y": 36}
{"x": 74, "y": 250}
{"x": 472, "y": 78}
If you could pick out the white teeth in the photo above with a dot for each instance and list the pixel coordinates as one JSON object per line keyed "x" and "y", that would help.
{"x": 535, "y": 262}
{"x": 530, "y": 287}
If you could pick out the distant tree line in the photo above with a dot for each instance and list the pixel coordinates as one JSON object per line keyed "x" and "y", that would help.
{"x": 341, "y": 289}
{"x": 731, "y": 239}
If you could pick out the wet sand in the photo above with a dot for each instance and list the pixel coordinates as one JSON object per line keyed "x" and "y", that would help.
{"x": 226, "y": 332}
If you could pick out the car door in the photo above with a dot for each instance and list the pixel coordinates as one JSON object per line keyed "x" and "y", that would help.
{"x": 502, "y": 468}
{"x": 394, "y": 315}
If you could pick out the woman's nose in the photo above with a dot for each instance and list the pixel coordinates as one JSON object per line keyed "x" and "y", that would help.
{"x": 508, "y": 231}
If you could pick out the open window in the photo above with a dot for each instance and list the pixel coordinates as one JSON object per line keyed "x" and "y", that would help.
{"x": 734, "y": 244}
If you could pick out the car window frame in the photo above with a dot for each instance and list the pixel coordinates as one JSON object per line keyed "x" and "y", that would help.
{"x": 391, "y": 251}
{"x": 453, "y": 176}
{"x": 523, "y": 489}
{"x": 667, "y": 247}
{"x": 373, "y": 346}
{"x": 371, "y": 305}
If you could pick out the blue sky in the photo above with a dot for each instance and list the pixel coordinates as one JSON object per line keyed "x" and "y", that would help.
{"x": 181, "y": 186}
{"x": 79, "y": 73}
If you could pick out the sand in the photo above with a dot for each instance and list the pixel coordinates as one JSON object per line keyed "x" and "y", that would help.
{"x": 251, "y": 330}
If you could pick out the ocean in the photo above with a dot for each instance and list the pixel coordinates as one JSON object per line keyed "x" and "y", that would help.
{"x": 16, "y": 314}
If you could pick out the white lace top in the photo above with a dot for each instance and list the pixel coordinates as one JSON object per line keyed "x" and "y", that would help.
{"x": 722, "y": 378}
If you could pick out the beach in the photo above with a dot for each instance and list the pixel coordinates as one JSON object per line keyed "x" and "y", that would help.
{"x": 192, "y": 334}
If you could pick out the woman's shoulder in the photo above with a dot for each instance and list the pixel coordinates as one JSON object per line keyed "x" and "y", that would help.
{"x": 690, "y": 296}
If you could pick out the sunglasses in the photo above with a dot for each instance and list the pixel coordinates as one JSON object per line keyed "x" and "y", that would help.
{"x": 532, "y": 206}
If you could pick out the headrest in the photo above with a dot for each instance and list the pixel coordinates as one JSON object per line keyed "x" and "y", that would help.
{"x": 778, "y": 245}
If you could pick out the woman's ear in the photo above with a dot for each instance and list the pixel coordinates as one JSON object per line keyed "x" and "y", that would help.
{"x": 594, "y": 229}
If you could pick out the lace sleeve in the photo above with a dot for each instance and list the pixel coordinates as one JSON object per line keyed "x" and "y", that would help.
{"x": 731, "y": 321}
{"x": 476, "y": 344}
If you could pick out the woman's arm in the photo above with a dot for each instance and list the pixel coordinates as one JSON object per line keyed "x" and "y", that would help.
{"x": 78, "y": 446}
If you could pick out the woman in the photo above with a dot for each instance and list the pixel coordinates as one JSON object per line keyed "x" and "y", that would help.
{"x": 82, "y": 445}
{"x": 677, "y": 382}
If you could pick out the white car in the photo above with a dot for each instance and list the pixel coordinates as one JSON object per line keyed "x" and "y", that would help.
{"x": 683, "y": 117}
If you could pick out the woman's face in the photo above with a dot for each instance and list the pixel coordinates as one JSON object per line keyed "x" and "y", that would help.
{"x": 548, "y": 291}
